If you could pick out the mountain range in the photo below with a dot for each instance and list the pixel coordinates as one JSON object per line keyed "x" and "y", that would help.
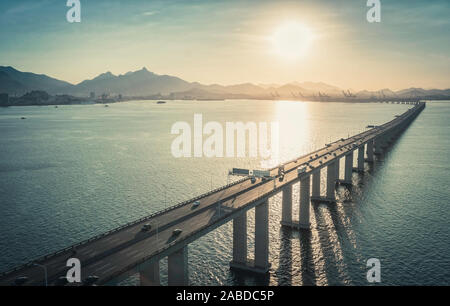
{"x": 143, "y": 83}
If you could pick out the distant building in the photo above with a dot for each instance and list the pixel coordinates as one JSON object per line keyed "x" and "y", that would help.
{"x": 92, "y": 95}
{"x": 4, "y": 99}
{"x": 35, "y": 97}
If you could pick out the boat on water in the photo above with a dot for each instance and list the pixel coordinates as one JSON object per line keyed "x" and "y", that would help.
{"x": 161, "y": 102}
{"x": 106, "y": 105}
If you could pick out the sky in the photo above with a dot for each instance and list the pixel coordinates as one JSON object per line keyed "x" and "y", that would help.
{"x": 229, "y": 42}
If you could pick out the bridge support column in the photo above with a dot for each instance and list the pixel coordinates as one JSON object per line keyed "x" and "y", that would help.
{"x": 370, "y": 151}
{"x": 338, "y": 168}
{"x": 262, "y": 237}
{"x": 178, "y": 268}
{"x": 382, "y": 140}
{"x": 149, "y": 276}
{"x": 261, "y": 262}
{"x": 286, "y": 209}
{"x": 316, "y": 184}
{"x": 361, "y": 159}
{"x": 331, "y": 182}
{"x": 305, "y": 184}
{"x": 385, "y": 140}
{"x": 389, "y": 138}
{"x": 348, "y": 168}
{"x": 240, "y": 239}
{"x": 378, "y": 146}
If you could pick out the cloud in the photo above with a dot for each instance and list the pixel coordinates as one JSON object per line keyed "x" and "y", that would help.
{"x": 150, "y": 13}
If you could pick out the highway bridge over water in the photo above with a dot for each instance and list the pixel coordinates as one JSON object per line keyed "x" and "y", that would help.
{"x": 128, "y": 250}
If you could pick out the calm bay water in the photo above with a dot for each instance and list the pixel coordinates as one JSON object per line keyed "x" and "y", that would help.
{"x": 72, "y": 172}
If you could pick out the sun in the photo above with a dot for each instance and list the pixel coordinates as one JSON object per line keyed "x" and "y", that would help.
{"x": 292, "y": 40}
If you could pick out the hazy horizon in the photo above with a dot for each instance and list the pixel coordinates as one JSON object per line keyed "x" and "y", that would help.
{"x": 233, "y": 42}
{"x": 262, "y": 85}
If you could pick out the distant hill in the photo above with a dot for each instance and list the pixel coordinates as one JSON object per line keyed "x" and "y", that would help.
{"x": 419, "y": 92}
{"x": 137, "y": 83}
{"x": 315, "y": 87}
{"x": 13, "y": 82}
{"x": 144, "y": 83}
{"x": 386, "y": 92}
{"x": 9, "y": 85}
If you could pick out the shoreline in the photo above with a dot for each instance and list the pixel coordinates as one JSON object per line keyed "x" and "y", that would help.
{"x": 81, "y": 101}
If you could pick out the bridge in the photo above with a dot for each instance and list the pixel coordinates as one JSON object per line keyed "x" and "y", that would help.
{"x": 128, "y": 249}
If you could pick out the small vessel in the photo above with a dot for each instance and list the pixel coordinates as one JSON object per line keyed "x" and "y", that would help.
{"x": 56, "y": 106}
{"x": 106, "y": 105}
{"x": 23, "y": 118}
{"x": 161, "y": 102}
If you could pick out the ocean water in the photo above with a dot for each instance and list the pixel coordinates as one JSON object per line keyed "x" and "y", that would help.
{"x": 72, "y": 172}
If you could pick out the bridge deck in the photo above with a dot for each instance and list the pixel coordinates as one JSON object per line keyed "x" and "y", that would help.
{"x": 120, "y": 251}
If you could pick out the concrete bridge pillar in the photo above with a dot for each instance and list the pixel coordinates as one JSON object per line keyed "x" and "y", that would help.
{"x": 361, "y": 158}
{"x": 149, "y": 276}
{"x": 261, "y": 263}
{"x": 384, "y": 140}
{"x": 240, "y": 239}
{"x": 393, "y": 135}
{"x": 262, "y": 237}
{"x": 304, "y": 203}
{"x": 370, "y": 151}
{"x": 378, "y": 145}
{"x": 348, "y": 168}
{"x": 178, "y": 268}
{"x": 338, "y": 167}
{"x": 316, "y": 184}
{"x": 286, "y": 208}
{"x": 389, "y": 138}
{"x": 331, "y": 182}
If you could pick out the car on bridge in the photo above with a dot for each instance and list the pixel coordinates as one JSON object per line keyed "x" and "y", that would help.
{"x": 90, "y": 280}
{"x": 61, "y": 281}
{"x": 146, "y": 227}
{"x": 176, "y": 232}
{"x": 20, "y": 280}
{"x": 301, "y": 170}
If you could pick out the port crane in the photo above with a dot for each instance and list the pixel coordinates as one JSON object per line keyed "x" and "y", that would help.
{"x": 275, "y": 95}
{"x": 348, "y": 94}
{"x": 323, "y": 95}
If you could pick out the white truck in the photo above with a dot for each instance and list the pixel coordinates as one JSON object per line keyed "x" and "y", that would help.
{"x": 301, "y": 170}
